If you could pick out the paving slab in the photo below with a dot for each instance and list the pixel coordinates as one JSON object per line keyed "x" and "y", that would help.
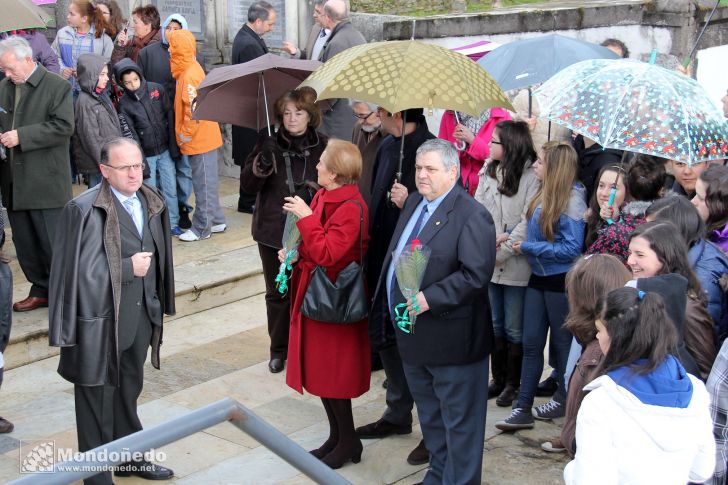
{"x": 222, "y": 352}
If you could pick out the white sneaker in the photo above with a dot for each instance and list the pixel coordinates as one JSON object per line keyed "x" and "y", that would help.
{"x": 189, "y": 236}
{"x": 218, "y": 228}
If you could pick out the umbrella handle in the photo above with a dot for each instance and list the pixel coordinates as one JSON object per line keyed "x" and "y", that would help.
{"x": 612, "y": 194}
{"x": 686, "y": 61}
{"x": 530, "y": 102}
{"x": 265, "y": 101}
{"x": 460, "y": 145}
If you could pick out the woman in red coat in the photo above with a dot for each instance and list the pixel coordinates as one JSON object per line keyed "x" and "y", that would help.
{"x": 329, "y": 360}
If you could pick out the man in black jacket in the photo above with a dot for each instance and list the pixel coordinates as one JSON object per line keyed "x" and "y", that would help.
{"x": 248, "y": 45}
{"x": 110, "y": 285}
{"x": 445, "y": 351}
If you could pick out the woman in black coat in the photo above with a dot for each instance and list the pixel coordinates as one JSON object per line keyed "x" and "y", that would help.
{"x": 295, "y": 149}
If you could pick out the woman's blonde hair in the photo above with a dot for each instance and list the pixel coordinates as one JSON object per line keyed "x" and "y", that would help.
{"x": 343, "y": 159}
{"x": 561, "y": 163}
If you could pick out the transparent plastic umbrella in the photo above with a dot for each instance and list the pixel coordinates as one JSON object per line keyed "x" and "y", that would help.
{"x": 637, "y": 107}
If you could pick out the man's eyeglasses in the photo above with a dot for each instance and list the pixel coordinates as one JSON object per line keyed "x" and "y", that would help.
{"x": 128, "y": 168}
{"x": 363, "y": 116}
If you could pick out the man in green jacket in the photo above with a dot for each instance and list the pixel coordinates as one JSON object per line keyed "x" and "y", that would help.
{"x": 36, "y": 124}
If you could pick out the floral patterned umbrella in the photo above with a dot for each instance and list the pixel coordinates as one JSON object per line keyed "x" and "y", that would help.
{"x": 638, "y": 107}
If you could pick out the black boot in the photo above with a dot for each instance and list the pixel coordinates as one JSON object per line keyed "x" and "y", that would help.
{"x": 349, "y": 447}
{"x": 513, "y": 376}
{"x": 333, "y": 438}
{"x": 184, "y": 217}
{"x": 498, "y": 367}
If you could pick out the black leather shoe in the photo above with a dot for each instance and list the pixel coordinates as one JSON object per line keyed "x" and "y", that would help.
{"x": 547, "y": 387}
{"x": 246, "y": 208}
{"x": 184, "y": 218}
{"x": 419, "y": 456}
{"x": 144, "y": 469}
{"x": 381, "y": 429}
{"x": 276, "y": 365}
{"x": 6, "y": 426}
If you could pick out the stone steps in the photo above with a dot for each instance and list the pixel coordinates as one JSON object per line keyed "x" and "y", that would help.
{"x": 209, "y": 273}
{"x": 200, "y": 285}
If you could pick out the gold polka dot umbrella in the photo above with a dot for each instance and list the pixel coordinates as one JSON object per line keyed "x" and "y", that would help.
{"x": 398, "y": 75}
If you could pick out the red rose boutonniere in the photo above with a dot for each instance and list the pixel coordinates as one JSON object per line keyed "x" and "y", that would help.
{"x": 155, "y": 93}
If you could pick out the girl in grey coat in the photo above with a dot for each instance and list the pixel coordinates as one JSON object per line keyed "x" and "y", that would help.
{"x": 96, "y": 119}
{"x": 506, "y": 187}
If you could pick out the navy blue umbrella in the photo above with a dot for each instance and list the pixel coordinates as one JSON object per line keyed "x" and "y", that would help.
{"x": 527, "y": 62}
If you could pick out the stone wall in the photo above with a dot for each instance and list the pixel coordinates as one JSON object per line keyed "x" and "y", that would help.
{"x": 405, "y": 6}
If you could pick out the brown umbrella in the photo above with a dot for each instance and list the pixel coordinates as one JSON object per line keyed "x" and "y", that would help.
{"x": 245, "y": 94}
{"x": 22, "y": 14}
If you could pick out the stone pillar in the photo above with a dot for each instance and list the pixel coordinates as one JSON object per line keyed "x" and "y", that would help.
{"x": 61, "y": 11}
{"x": 305, "y": 20}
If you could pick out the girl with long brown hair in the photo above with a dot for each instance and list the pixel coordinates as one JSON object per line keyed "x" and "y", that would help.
{"x": 591, "y": 278}
{"x": 85, "y": 33}
{"x": 554, "y": 239}
{"x": 506, "y": 186}
{"x": 645, "y": 419}
{"x": 113, "y": 15}
{"x": 711, "y": 200}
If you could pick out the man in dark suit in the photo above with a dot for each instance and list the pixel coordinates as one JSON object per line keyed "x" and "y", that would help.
{"x": 317, "y": 36}
{"x": 248, "y": 45}
{"x": 445, "y": 352}
{"x": 338, "y": 119}
{"x": 110, "y": 284}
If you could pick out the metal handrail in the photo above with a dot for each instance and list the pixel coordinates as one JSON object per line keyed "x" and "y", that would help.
{"x": 186, "y": 425}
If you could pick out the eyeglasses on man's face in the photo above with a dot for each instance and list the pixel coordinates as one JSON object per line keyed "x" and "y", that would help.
{"x": 363, "y": 116}
{"x": 128, "y": 168}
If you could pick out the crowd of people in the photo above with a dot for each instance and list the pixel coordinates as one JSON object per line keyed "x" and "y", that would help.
{"x": 616, "y": 260}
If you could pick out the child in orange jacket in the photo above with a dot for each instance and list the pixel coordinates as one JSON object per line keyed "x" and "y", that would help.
{"x": 197, "y": 139}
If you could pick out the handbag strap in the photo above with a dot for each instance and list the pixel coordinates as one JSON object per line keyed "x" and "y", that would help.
{"x": 289, "y": 173}
{"x": 361, "y": 230}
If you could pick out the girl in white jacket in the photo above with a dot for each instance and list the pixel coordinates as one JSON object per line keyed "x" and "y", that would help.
{"x": 645, "y": 421}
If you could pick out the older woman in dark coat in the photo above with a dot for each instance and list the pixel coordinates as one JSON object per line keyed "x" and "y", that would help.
{"x": 330, "y": 360}
{"x": 299, "y": 146}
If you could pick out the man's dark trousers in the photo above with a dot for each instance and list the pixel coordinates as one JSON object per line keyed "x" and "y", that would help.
{"x": 33, "y": 232}
{"x": 453, "y": 398}
{"x": 105, "y": 413}
{"x": 399, "y": 398}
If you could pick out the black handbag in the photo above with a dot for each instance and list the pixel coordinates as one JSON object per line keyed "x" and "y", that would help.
{"x": 344, "y": 301}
